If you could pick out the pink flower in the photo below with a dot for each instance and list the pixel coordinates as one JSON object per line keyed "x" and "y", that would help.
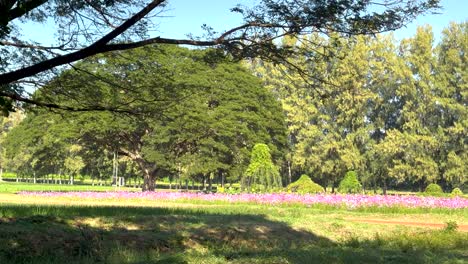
{"x": 348, "y": 200}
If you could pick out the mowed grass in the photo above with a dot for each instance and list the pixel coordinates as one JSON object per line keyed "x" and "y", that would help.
{"x": 14, "y": 187}
{"x": 66, "y": 230}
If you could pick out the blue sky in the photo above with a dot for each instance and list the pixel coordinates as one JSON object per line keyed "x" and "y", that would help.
{"x": 184, "y": 17}
{"x": 187, "y": 18}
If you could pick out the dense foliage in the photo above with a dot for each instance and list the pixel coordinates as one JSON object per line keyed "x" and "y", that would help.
{"x": 84, "y": 28}
{"x": 199, "y": 116}
{"x": 261, "y": 172}
{"x": 305, "y": 185}
{"x": 456, "y": 192}
{"x": 394, "y": 112}
{"x": 434, "y": 189}
{"x": 350, "y": 183}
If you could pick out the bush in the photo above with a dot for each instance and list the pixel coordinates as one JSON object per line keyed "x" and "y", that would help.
{"x": 457, "y": 192}
{"x": 451, "y": 226}
{"x": 305, "y": 185}
{"x": 350, "y": 183}
{"x": 434, "y": 189}
{"x": 232, "y": 190}
{"x": 9, "y": 175}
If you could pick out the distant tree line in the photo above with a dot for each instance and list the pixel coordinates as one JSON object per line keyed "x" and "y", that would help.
{"x": 396, "y": 113}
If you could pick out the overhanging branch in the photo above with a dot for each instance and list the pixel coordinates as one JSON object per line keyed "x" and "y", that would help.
{"x": 97, "y": 47}
{"x": 100, "y": 108}
{"x": 23, "y": 8}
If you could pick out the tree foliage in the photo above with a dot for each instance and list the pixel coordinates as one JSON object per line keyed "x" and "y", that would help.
{"x": 261, "y": 172}
{"x": 393, "y": 112}
{"x": 198, "y": 117}
{"x": 86, "y": 28}
{"x": 350, "y": 183}
{"x": 434, "y": 189}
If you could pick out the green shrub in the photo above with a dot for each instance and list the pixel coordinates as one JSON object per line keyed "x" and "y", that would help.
{"x": 232, "y": 190}
{"x": 434, "y": 189}
{"x": 9, "y": 175}
{"x": 350, "y": 183}
{"x": 305, "y": 185}
{"x": 457, "y": 192}
{"x": 451, "y": 226}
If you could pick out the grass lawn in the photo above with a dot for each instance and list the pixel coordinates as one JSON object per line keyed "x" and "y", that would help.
{"x": 67, "y": 230}
{"x": 14, "y": 187}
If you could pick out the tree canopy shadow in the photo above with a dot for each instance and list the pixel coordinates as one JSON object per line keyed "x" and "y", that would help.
{"x": 105, "y": 234}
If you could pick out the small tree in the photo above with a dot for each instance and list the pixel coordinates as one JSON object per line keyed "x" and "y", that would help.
{"x": 74, "y": 163}
{"x": 261, "y": 171}
{"x": 350, "y": 183}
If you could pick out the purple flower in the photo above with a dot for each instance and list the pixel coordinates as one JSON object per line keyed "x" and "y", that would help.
{"x": 347, "y": 200}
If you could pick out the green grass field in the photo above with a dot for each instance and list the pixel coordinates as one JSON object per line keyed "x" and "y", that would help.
{"x": 13, "y": 187}
{"x": 66, "y": 230}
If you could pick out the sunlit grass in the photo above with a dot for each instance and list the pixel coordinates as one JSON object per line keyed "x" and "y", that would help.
{"x": 14, "y": 187}
{"x": 70, "y": 230}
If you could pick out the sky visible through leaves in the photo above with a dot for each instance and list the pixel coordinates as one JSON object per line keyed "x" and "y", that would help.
{"x": 183, "y": 17}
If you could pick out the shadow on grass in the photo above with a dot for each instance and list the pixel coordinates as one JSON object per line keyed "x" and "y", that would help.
{"x": 103, "y": 234}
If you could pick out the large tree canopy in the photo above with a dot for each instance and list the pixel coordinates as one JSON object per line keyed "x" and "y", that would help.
{"x": 198, "y": 116}
{"x": 86, "y": 28}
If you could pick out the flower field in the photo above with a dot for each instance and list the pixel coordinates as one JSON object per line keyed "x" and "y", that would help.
{"x": 349, "y": 201}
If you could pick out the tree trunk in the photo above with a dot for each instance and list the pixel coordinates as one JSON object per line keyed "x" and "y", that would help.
{"x": 289, "y": 172}
{"x": 148, "y": 181}
{"x": 374, "y": 183}
{"x": 210, "y": 187}
{"x": 384, "y": 187}
{"x": 204, "y": 183}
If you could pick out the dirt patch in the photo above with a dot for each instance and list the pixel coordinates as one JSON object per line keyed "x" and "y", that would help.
{"x": 461, "y": 227}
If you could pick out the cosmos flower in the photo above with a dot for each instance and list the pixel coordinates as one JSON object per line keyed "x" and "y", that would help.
{"x": 347, "y": 200}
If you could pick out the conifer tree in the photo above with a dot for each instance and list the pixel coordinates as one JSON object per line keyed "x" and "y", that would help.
{"x": 261, "y": 172}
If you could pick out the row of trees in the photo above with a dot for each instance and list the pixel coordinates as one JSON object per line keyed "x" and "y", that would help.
{"x": 394, "y": 112}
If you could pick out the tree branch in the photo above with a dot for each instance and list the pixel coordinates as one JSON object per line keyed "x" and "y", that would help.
{"x": 97, "y": 47}
{"x": 24, "y": 8}
{"x": 31, "y": 46}
{"x": 19, "y": 98}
